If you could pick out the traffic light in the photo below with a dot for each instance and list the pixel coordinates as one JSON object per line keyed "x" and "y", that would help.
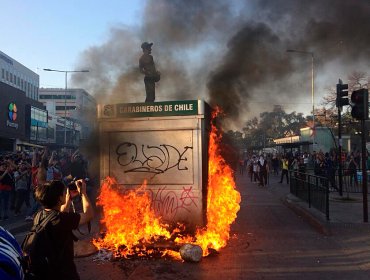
{"x": 342, "y": 94}
{"x": 360, "y": 106}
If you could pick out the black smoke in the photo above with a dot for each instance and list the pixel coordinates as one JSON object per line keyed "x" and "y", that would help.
{"x": 232, "y": 53}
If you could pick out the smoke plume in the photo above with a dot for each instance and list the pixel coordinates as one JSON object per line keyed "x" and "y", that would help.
{"x": 233, "y": 53}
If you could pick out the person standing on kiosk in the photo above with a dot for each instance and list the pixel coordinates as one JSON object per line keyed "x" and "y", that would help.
{"x": 147, "y": 67}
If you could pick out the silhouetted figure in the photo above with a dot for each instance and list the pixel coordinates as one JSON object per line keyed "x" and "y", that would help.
{"x": 147, "y": 67}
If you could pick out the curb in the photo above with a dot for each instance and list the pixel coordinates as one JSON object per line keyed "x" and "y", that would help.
{"x": 314, "y": 222}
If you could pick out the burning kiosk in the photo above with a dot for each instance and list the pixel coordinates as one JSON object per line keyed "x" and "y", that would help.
{"x": 164, "y": 144}
{"x": 174, "y": 147}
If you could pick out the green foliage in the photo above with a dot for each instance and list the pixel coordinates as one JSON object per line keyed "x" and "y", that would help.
{"x": 260, "y": 132}
{"x": 271, "y": 125}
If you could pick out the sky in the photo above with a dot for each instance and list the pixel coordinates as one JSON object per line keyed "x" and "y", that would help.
{"x": 52, "y": 34}
{"x": 229, "y": 53}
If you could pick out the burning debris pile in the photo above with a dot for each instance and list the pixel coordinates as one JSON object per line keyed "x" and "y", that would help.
{"x": 129, "y": 220}
{"x": 133, "y": 229}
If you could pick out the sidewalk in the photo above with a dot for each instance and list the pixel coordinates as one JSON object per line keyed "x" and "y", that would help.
{"x": 16, "y": 224}
{"x": 345, "y": 211}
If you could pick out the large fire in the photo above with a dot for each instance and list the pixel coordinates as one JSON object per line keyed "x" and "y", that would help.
{"x": 132, "y": 226}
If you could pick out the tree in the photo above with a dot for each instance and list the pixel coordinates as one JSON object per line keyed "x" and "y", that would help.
{"x": 272, "y": 123}
{"x": 235, "y": 139}
{"x": 250, "y": 126}
{"x": 294, "y": 122}
{"x": 327, "y": 115}
{"x": 356, "y": 80}
{"x": 260, "y": 132}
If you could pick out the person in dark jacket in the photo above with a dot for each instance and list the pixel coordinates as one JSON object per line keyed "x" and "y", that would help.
{"x": 54, "y": 196}
{"x": 352, "y": 170}
{"x": 263, "y": 171}
{"x": 147, "y": 67}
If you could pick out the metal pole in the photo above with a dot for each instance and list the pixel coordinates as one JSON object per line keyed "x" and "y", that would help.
{"x": 364, "y": 171}
{"x": 37, "y": 132}
{"x": 65, "y": 109}
{"x": 313, "y": 99}
{"x": 65, "y": 94}
{"x": 327, "y": 192}
{"x": 340, "y": 172}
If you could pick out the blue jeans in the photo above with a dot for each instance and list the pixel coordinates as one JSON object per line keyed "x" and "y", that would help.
{"x": 4, "y": 203}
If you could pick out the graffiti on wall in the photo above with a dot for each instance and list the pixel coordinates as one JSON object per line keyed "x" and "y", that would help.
{"x": 168, "y": 203}
{"x": 156, "y": 159}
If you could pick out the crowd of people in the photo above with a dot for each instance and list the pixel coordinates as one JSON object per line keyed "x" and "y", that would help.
{"x": 47, "y": 184}
{"x": 259, "y": 167}
{"x": 21, "y": 172}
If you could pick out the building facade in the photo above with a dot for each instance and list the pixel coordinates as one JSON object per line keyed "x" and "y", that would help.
{"x": 24, "y": 117}
{"x": 18, "y": 76}
{"x": 62, "y": 131}
{"x": 77, "y": 105}
{"x": 324, "y": 138}
{"x": 23, "y": 120}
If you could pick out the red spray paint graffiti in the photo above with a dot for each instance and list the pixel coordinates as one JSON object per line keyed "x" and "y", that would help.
{"x": 167, "y": 203}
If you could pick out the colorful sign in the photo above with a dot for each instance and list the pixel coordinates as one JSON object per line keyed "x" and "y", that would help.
{"x": 12, "y": 111}
{"x": 12, "y": 115}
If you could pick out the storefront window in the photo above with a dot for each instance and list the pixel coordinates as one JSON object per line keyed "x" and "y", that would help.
{"x": 39, "y": 124}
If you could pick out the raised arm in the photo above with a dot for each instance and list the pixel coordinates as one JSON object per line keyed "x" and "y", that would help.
{"x": 5, "y": 172}
{"x": 45, "y": 155}
{"x": 88, "y": 212}
{"x": 65, "y": 207}
{"x": 34, "y": 158}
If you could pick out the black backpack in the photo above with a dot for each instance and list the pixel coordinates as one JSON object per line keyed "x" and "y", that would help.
{"x": 39, "y": 256}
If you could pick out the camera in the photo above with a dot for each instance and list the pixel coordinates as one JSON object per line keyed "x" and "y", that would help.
{"x": 72, "y": 185}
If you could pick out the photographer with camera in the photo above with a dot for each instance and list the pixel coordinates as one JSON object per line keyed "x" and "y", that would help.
{"x": 57, "y": 262}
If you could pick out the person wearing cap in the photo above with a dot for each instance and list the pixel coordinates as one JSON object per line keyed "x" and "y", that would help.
{"x": 147, "y": 67}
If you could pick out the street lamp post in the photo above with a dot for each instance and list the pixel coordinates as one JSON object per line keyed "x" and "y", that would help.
{"x": 65, "y": 95}
{"x": 312, "y": 90}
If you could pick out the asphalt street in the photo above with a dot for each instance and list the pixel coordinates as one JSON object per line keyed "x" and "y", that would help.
{"x": 269, "y": 240}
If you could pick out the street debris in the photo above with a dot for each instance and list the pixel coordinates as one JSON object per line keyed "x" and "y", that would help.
{"x": 191, "y": 253}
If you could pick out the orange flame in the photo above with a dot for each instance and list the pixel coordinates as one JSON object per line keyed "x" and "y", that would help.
{"x": 223, "y": 200}
{"x": 131, "y": 222}
{"x": 128, "y": 218}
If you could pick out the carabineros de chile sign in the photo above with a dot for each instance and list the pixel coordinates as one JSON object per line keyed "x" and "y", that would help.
{"x": 168, "y": 108}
